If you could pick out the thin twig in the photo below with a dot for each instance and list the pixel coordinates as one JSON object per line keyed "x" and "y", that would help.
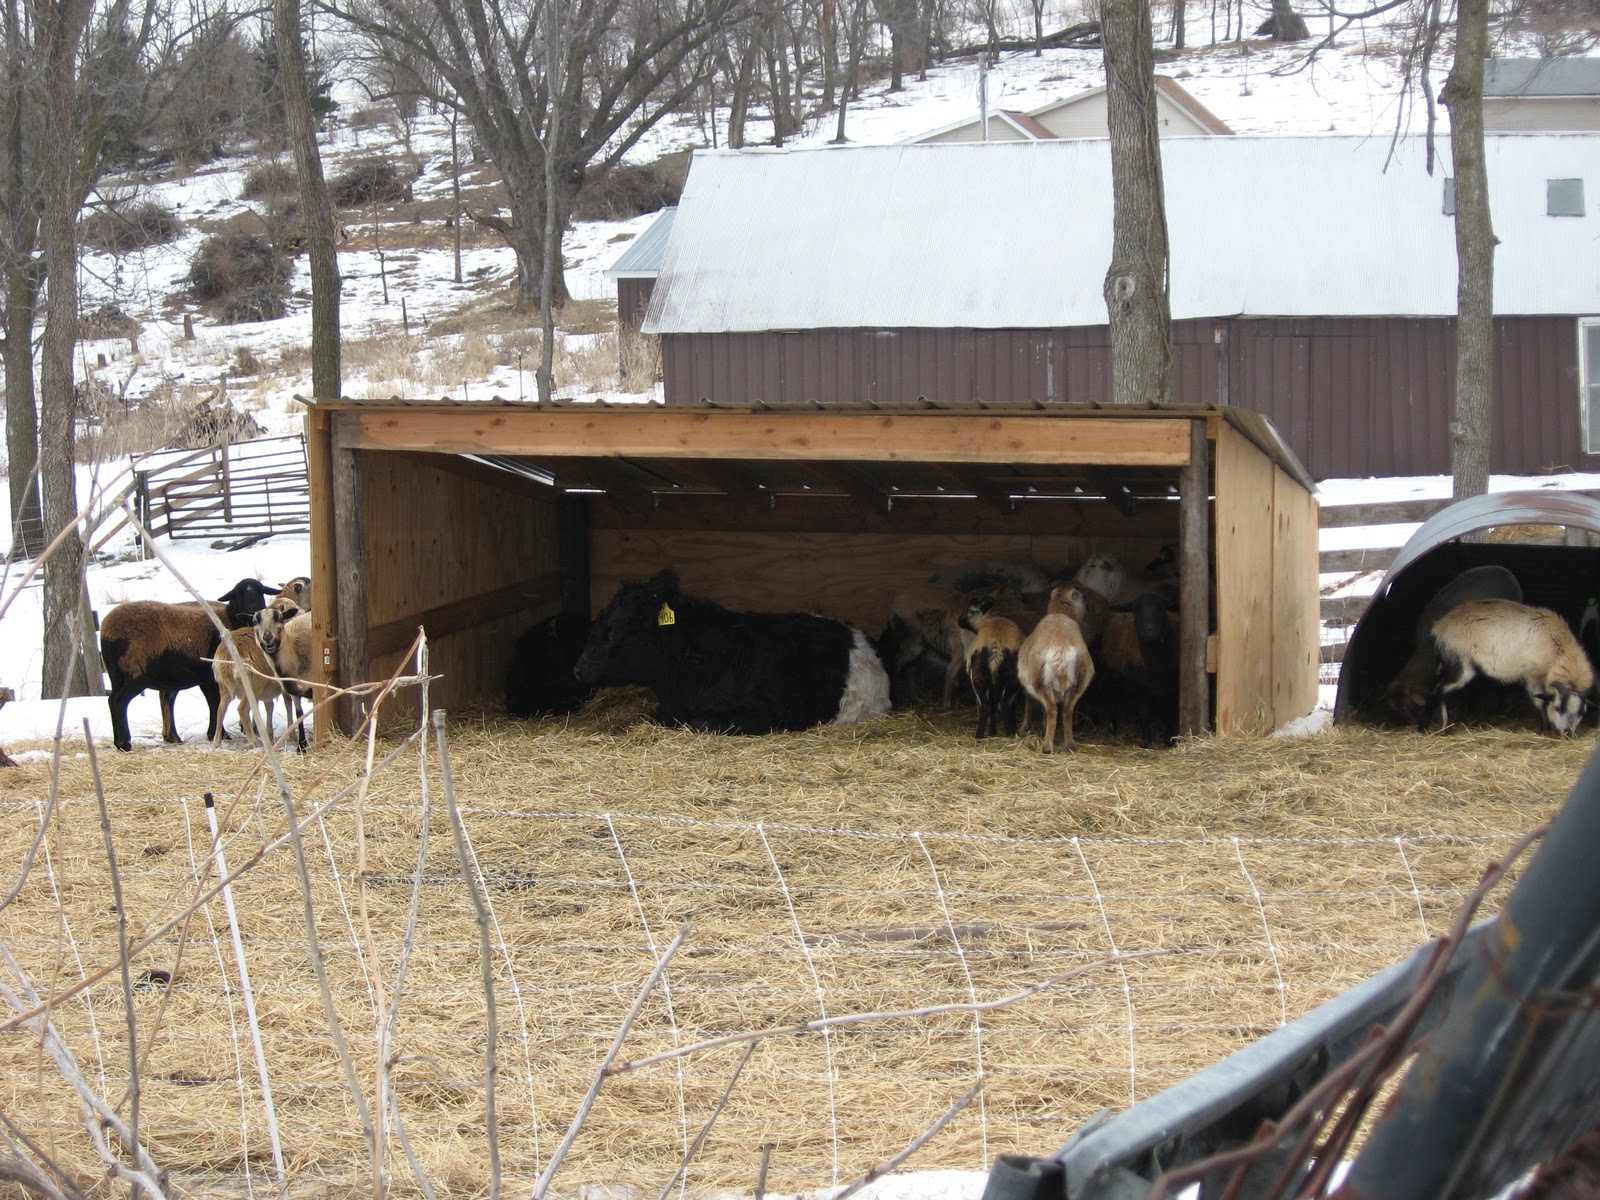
{"x": 122, "y": 942}
{"x": 421, "y": 1175}
{"x": 711, "y": 1119}
{"x": 604, "y": 1069}
{"x": 480, "y": 913}
{"x": 822, "y": 1023}
{"x": 917, "y": 1143}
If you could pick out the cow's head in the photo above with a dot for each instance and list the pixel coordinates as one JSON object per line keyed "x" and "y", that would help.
{"x": 630, "y": 634}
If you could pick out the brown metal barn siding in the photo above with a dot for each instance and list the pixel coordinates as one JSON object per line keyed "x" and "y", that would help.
{"x": 1351, "y": 396}
{"x": 633, "y": 297}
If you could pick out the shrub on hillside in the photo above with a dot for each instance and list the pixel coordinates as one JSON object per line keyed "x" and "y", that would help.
{"x": 265, "y": 302}
{"x": 627, "y": 191}
{"x": 230, "y": 265}
{"x": 273, "y": 178}
{"x": 370, "y": 181}
{"x": 123, "y": 228}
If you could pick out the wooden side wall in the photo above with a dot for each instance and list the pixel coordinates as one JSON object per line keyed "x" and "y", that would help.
{"x": 852, "y": 576}
{"x": 465, "y": 553}
{"x": 1266, "y": 585}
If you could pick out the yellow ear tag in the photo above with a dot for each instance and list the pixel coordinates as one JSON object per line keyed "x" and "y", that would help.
{"x": 666, "y": 616}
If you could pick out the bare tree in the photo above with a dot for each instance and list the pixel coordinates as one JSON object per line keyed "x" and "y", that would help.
{"x": 1136, "y": 282}
{"x": 314, "y": 202}
{"x": 1475, "y": 243}
{"x": 621, "y": 74}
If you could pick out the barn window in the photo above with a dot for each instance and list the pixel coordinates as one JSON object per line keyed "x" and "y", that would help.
{"x": 1564, "y": 197}
{"x": 1589, "y": 381}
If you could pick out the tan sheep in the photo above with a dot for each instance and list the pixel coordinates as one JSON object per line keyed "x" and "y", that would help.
{"x": 285, "y": 634}
{"x": 1514, "y": 643}
{"x": 246, "y": 675}
{"x": 1055, "y": 668}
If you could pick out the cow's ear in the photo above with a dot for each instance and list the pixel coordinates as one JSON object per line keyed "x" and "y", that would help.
{"x": 664, "y": 584}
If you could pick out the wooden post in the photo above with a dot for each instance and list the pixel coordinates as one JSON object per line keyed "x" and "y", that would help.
{"x": 572, "y": 544}
{"x": 1194, "y": 560}
{"x": 350, "y": 585}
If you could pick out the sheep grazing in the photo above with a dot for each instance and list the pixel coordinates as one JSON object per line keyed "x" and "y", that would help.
{"x": 285, "y": 634}
{"x": 245, "y": 675}
{"x": 1139, "y": 664}
{"x": 1514, "y": 643}
{"x": 992, "y": 665}
{"x": 152, "y": 644}
{"x": 1055, "y": 668}
{"x": 1409, "y": 692}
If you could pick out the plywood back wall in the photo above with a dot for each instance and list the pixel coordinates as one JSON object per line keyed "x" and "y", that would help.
{"x": 849, "y": 576}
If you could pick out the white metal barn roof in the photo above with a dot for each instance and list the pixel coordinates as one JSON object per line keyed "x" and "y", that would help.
{"x": 1018, "y": 235}
{"x": 642, "y": 258}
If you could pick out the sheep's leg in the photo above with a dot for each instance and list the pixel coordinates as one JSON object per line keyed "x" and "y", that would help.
{"x": 1011, "y": 697}
{"x": 985, "y": 712}
{"x": 169, "y": 723}
{"x": 121, "y": 693}
{"x": 1049, "y": 703}
{"x": 213, "y": 697}
{"x": 1069, "y": 711}
{"x": 952, "y": 676}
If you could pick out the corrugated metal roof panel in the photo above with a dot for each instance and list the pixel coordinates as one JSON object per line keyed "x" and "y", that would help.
{"x": 1018, "y": 235}
{"x": 642, "y": 258}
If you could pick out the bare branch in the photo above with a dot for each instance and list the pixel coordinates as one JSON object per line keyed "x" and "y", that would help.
{"x": 917, "y": 1143}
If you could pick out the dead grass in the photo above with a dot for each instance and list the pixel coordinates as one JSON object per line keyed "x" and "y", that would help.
{"x": 806, "y": 864}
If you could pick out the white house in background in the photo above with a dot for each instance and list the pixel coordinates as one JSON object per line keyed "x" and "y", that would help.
{"x": 1541, "y": 94}
{"x": 1082, "y": 116}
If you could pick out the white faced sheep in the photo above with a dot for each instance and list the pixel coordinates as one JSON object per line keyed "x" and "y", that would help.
{"x": 1055, "y": 668}
{"x": 992, "y": 665}
{"x": 285, "y": 634}
{"x": 1103, "y": 573}
{"x": 151, "y": 644}
{"x": 1514, "y": 643}
{"x": 245, "y": 675}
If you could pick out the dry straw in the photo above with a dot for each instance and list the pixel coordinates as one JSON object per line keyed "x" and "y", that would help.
{"x": 897, "y": 867}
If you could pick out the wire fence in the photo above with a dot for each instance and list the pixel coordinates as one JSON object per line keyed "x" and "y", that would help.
{"x": 1187, "y": 948}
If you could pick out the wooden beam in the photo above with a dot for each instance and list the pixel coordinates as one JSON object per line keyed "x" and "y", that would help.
{"x": 992, "y": 494}
{"x": 816, "y": 436}
{"x": 727, "y": 479}
{"x": 1194, "y": 595}
{"x": 394, "y": 636}
{"x": 350, "y": 580}
{"x": 1061, "y": 516}
{"x": 324, "y": 560}
{"x": 853, "y": 484}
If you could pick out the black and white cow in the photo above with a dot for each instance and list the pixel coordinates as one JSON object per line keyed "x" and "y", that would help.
{"x": 732, "y": 672}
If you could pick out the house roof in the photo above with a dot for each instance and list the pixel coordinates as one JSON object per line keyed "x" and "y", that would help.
{"x": 1541, "y": 77}
{"x": 1168, "y": 86}
{"x": 1027, "y": 128}
{"x": 1017, "y": 235}
{"x": 642, "y": 258}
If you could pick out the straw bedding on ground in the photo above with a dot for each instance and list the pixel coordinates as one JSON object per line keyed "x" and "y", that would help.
{"x": 890, "y": 867}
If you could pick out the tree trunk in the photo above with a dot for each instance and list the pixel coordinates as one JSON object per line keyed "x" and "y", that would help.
{"x": 739, "y": 106}
{"x": 1475, "y": 243}
{"x": 1179, "y": 14}
{"x": 63, "y": 667}
{"x": 1285, "y": 25}
{"x": 22, "y": 414}
{"x": 1136, "y": 282}
{"x": 314, "y": 203}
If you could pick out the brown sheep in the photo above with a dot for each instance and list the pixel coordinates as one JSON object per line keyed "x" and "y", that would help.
{"x": 246, "y": 675}
{"x": 285, "y": 634}
{"x": 992, "y": 665}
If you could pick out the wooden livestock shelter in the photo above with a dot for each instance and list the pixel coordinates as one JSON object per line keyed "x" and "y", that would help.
{"x": 475, "y": 520}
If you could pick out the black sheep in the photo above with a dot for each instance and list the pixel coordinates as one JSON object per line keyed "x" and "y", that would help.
{"x": 732, "y": 672}
{"x": 1138, "y": 664}
{"x": 151, "y": 644}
